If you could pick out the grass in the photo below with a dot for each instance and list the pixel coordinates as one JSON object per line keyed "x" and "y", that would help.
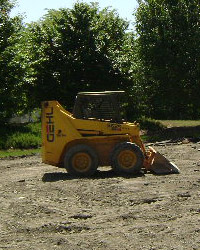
{"x": 18, "y": 152}
{"x": 180, "y": 123}
{"x": 155, "y": 125}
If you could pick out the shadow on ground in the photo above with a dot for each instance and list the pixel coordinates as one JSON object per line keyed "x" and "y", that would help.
{"x": 58, "y": 176}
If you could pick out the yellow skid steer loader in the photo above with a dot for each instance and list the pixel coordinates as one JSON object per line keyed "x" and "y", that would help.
{"x": 95, "y": 134}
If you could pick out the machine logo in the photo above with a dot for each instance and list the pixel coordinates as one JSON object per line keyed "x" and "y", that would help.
{"x": 115, "y": 127}
{"x": 50, "y": 128}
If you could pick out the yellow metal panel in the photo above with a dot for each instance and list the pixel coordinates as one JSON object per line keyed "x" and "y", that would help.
{"x": 60, "y": 128}
{"x": 57, "y": 131}
{"x": 105, "y": 128}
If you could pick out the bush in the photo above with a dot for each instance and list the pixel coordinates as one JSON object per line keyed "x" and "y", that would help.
{"x": 25, "y": 141}
{"x": 150, "y": 124}
{"x": 20, "y": 136}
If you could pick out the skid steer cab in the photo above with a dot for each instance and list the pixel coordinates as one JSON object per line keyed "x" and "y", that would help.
{"x": 95, "y": 134}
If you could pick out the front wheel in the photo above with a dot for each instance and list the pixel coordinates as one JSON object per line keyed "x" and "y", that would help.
{"x": 81, "y": 160}
{"x": 127, "y": 157}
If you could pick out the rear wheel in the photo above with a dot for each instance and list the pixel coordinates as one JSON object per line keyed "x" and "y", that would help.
{"x": 127, "y": 157}
{"x": 81, "y": 160}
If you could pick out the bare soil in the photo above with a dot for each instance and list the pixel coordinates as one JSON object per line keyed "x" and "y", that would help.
{"x": 42, "y": 207}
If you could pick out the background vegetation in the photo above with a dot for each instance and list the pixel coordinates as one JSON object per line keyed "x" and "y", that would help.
{"x": 85, "y": 48}
{"x": 90, "y": 49}
{"x": 23, "y": 136}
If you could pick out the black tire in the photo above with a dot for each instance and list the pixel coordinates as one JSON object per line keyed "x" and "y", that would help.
{"x": 81, "y": 160}
{"x": 127, "y": 157}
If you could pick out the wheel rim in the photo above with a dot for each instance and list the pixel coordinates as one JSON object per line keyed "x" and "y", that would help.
{"x": 127, "y": 159}
{"x": 81, "y": 162}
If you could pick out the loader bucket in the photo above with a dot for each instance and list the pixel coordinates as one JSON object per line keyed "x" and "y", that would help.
{"x": 161, "y": 165}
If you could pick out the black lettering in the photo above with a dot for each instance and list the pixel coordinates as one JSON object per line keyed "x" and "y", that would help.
{"x": 50, "y": 137}
{"x": 50, "y": 126}
{"x": 49, "y": 119}
{"x": 51, "y": 111}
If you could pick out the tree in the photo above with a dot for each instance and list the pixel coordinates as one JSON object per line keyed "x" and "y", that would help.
{"x": 71, "y": 50}
{"x": 11, "y": 73}
{"x": 169, "y": 49}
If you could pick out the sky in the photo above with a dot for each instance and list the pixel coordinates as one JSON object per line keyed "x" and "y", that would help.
{"x": 35, "y": 9}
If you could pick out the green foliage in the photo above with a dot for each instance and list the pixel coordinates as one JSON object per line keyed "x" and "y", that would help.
{"x": 24, "y": 140}
{"x": 20, "y": 136}
{"x": 72, "y": 50}
{"x": 12, "y": 98}
{"x": 168, "y": 48}
{"x": 88, "y": 49}
{"x": 150, "y": 124}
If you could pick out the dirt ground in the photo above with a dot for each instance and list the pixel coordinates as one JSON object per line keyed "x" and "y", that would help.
{"x": 42, "y": 207}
